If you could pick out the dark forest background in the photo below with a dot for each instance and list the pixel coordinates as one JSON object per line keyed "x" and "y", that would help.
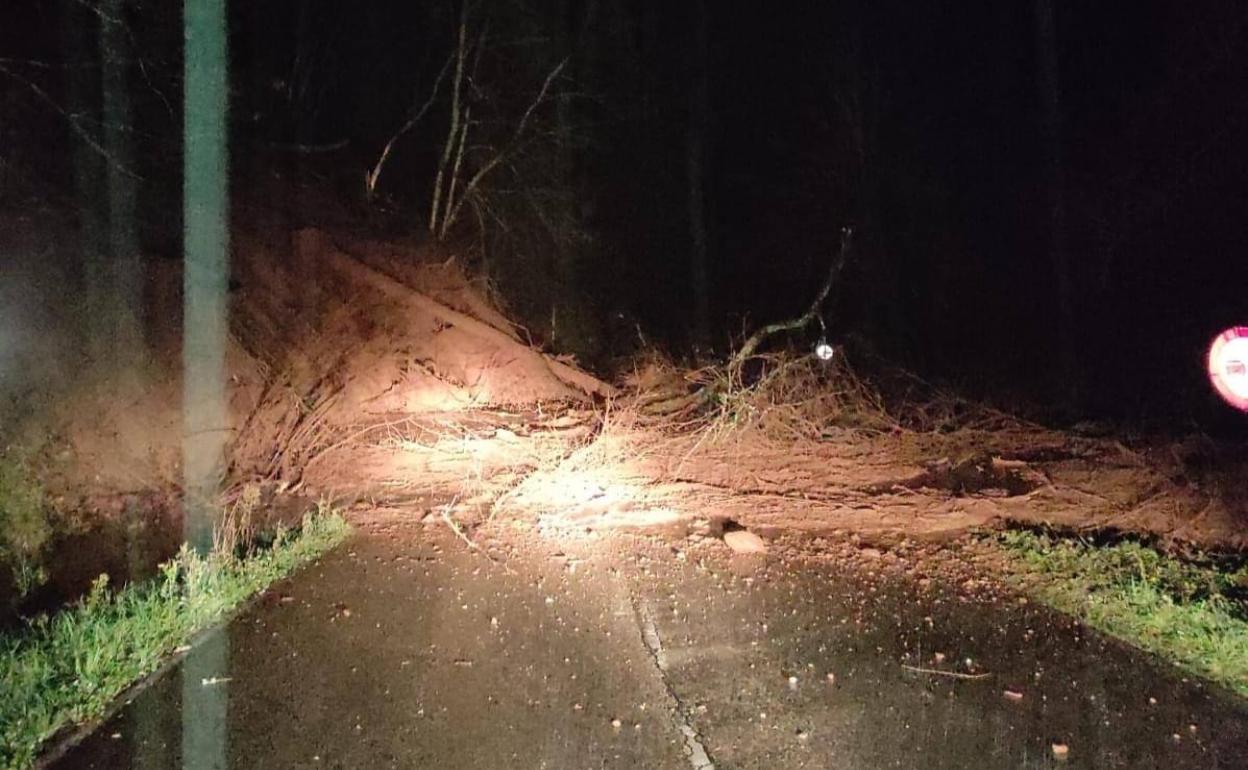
{"x": 1049, "y": 197}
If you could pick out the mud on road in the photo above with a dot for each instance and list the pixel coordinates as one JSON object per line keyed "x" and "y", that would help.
{"x": 363, "y": 370}
{"x": 408, "y": 648}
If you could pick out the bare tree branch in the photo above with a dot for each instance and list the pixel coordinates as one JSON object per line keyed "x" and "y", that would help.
{"x": 372, "y": 176}
{"x": 73, "y": 121}
{"x": 503, "y": 154}
{"x": 98, "y": 11}
{"x": 757, "y": 338}
{"x": 463, "y": 135}
{"x": 452, "y": 135}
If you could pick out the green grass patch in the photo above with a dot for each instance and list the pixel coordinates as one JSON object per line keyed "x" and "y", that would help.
{"x": 1189, "y": 612}
{"x": 25, "y": 527}
{"x": 67, "y": 669}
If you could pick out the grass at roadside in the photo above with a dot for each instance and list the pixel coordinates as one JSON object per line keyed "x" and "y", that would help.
{"x": 1187, "y": 612}
{"x": 68, "y": 668}
{"x": 25, "y": 527}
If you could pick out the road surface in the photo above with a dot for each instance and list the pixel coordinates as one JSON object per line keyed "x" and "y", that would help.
{"x": 407, "y": 649}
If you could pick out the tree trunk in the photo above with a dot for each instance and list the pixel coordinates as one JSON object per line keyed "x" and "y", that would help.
{"x": 89, "y": 178}
{"x": 858, "y": 97}
{"x": 1054, "y": 182}
{"x": 695, "y": 169}
{"x": 578, "y": 321}
{"x": 125, "y": 339}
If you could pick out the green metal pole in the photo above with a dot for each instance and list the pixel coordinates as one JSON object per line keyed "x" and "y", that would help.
{"x": 205, "y": 417}
{"x": 206, "y": 268}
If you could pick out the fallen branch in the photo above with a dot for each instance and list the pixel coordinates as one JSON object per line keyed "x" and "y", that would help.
{"x": 450, "y": 522}
{"x": 446, "y": 517}
{"x": 694, "y": 402}
{"x": 939, "y": 672}
{"x": 757, "y": 338}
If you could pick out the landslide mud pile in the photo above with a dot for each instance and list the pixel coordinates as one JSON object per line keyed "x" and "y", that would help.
{"x": 344, "y": 338}
{"x": 361, "y": 361}
{"x": 331, "y": 341}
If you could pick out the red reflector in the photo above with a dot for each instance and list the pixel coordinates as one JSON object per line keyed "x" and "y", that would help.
{"x": 1228, "y": 366}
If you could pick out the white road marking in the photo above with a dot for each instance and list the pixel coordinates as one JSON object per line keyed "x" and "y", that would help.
{"x": 694, "y": 749}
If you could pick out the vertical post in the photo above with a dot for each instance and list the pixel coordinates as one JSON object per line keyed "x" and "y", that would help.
{"x": 204, "y": 328}
{"x": 206, "y": 265}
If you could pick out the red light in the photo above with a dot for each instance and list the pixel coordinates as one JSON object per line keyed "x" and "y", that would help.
{"x": 1228, "y": 366}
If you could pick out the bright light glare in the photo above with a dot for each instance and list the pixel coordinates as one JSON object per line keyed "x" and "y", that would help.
{"x": 824, "y": 351}
{"x": 1228, "y": 366}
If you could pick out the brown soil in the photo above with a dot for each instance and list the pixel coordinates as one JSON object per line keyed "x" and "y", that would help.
{"x": 883, "y": 488}
{"x": 380, "y": 373}
{"x": 333, "y": 342}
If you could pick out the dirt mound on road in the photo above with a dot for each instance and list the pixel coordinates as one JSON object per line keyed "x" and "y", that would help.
{"x": 329, "y": 336}
{"x": 369, "y": 333}
{"x": 813, "y": 449}
{"x": 334, "y": 343}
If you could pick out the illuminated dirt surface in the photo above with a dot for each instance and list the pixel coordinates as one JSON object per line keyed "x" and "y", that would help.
{"x": 406, "y": 648}
{"x": 578, "y": 470}
{"x": 380, "y": 372}
{"x": 598, "y": 588}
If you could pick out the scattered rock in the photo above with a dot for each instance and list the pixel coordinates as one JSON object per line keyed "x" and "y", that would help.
{"x": 1060, "y": 752}
{"x": 744, "y": 541}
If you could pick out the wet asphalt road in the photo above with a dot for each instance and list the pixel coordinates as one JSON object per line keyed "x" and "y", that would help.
{"x": 405, "y": 649}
